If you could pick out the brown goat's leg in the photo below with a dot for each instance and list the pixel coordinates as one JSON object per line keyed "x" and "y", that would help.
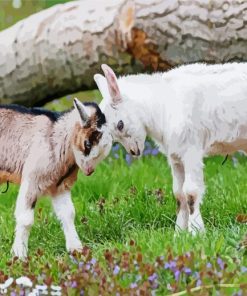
{"x": 65, "y": 212}
{"x": 24, "y": 215}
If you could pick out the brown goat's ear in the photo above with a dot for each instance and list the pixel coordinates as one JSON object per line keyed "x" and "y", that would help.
{"x": 82, "y": 111}
{"x": 112, "y": 83}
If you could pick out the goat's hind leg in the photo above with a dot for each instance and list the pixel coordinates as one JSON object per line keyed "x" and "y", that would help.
{"x": 24, "y": 215}
{"x": 178, "y": 180}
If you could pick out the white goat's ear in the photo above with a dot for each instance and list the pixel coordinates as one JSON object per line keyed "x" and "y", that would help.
{"x": 82, "y": 111}
{"x": 111, "y": 80}
{"x": 102, "y": 86}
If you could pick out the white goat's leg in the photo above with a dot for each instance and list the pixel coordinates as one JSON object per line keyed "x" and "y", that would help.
{"x": 24, "y": 215}
{"x": 193, "y": 188}
{"x": 178, "y": 180}
{"x": 65, "y": 212}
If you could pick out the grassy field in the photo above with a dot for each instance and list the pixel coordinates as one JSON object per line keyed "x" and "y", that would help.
{"x": 129, "y": 210}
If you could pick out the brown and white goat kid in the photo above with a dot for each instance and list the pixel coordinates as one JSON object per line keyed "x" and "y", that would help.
{"x": 42, "y": 151}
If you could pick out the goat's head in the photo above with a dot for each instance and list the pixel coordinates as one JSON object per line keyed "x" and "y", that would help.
{"x": 91, "y": 139}
{"x": 121, "y": 113}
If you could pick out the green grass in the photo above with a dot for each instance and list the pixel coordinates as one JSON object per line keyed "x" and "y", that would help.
{"x": 132, "y": 209}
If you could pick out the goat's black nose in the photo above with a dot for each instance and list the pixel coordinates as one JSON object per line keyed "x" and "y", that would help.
{"x": 135, "y": 153}
{"x": 132, "y": 152}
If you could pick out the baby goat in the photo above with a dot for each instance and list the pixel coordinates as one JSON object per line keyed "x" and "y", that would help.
{"x": 190, "y": 112}
{"x": 42, "y": 150}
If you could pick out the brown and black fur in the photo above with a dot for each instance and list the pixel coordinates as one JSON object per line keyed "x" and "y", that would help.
{"x": 37, "y": 144}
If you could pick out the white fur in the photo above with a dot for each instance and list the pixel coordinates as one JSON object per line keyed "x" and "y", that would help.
{"x": 65, "y": 212}
{"x": 24, "y": 220}
{"x": 191, "y": 112}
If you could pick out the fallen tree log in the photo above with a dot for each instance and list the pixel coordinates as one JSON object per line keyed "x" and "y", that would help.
{"x": 57, "y": 51}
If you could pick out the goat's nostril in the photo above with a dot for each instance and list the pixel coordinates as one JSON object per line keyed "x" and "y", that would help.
{"x": 132, "y": 152}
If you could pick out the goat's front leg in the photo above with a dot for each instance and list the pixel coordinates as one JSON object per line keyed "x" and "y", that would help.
{"x": 24, "y": 215}
{"x": 193, "y": 187}
{"x": 65, "y": 212}
{"x": 178, "y": 180}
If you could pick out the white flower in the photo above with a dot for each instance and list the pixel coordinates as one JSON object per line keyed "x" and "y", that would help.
{"x": 56, "y": 288}
{"x": 25, "y": 281}
{"x": 6, "y": 284}
{"x": 35, "y": 292}
{"x": 41, "y": 287}
{"x": 56, "y": 293}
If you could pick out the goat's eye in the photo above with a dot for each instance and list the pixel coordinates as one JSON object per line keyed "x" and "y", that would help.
{"x": 87, "y": 145}
{"x": 120, "y": 125}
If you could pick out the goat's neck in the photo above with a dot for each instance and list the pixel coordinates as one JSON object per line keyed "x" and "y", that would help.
{"x": 62, "y": 138}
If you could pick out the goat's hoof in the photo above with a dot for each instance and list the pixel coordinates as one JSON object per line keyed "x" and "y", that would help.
{"x": 76, "y": 246}
{"x": 19, "y": 251}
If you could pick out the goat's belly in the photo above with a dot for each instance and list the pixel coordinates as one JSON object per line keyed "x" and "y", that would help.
{"x": 224, "y": 148}
{"x": 10, "y": 177}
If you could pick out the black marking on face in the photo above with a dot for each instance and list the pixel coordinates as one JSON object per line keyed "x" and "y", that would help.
{"x": 100, "y": 116}
{"x": 93, "y": 140}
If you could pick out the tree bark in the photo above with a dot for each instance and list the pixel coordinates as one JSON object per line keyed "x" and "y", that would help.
{"x": 57, "y": 51}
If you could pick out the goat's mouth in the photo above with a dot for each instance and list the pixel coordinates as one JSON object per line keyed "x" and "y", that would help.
{"x": 135, "y": 151}
{"x": 88, "y": 171}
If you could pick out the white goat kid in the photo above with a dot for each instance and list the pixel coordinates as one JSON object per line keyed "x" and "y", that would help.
{"x": 191, "y": 112}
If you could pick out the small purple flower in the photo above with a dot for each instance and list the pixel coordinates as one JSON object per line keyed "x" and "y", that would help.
{"x": 198, "y": 283}
{"x": 115, "y": 147}
{"x": 167, "y": 265}
{"x": 187, "y": 270}
{"x": 243, "y": 269}
{"x": 22, "y": 292}
{"x": 152, "y": 277}
{"x": 116, "y": 270}
{"x": 220, "y": 263}
{"x": 73, "y": 284}
{"x": 93, "y": 261}
{"x": 128, "y": 159}
{"x": 155, "y": 151}
{"x": 209, "y": 265}
{"x": 68, "y": 97}
{"x": 147, "y": 151}
{"x": 81, "y": 264}
{"x": 133, "y": 285}
{"x": 88, "y": 266}
{"x": 13, "y": 294}
{"x": 81, "y": 292}
{"x": 177, "y": 275}
{"x": 196, "y": 275}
